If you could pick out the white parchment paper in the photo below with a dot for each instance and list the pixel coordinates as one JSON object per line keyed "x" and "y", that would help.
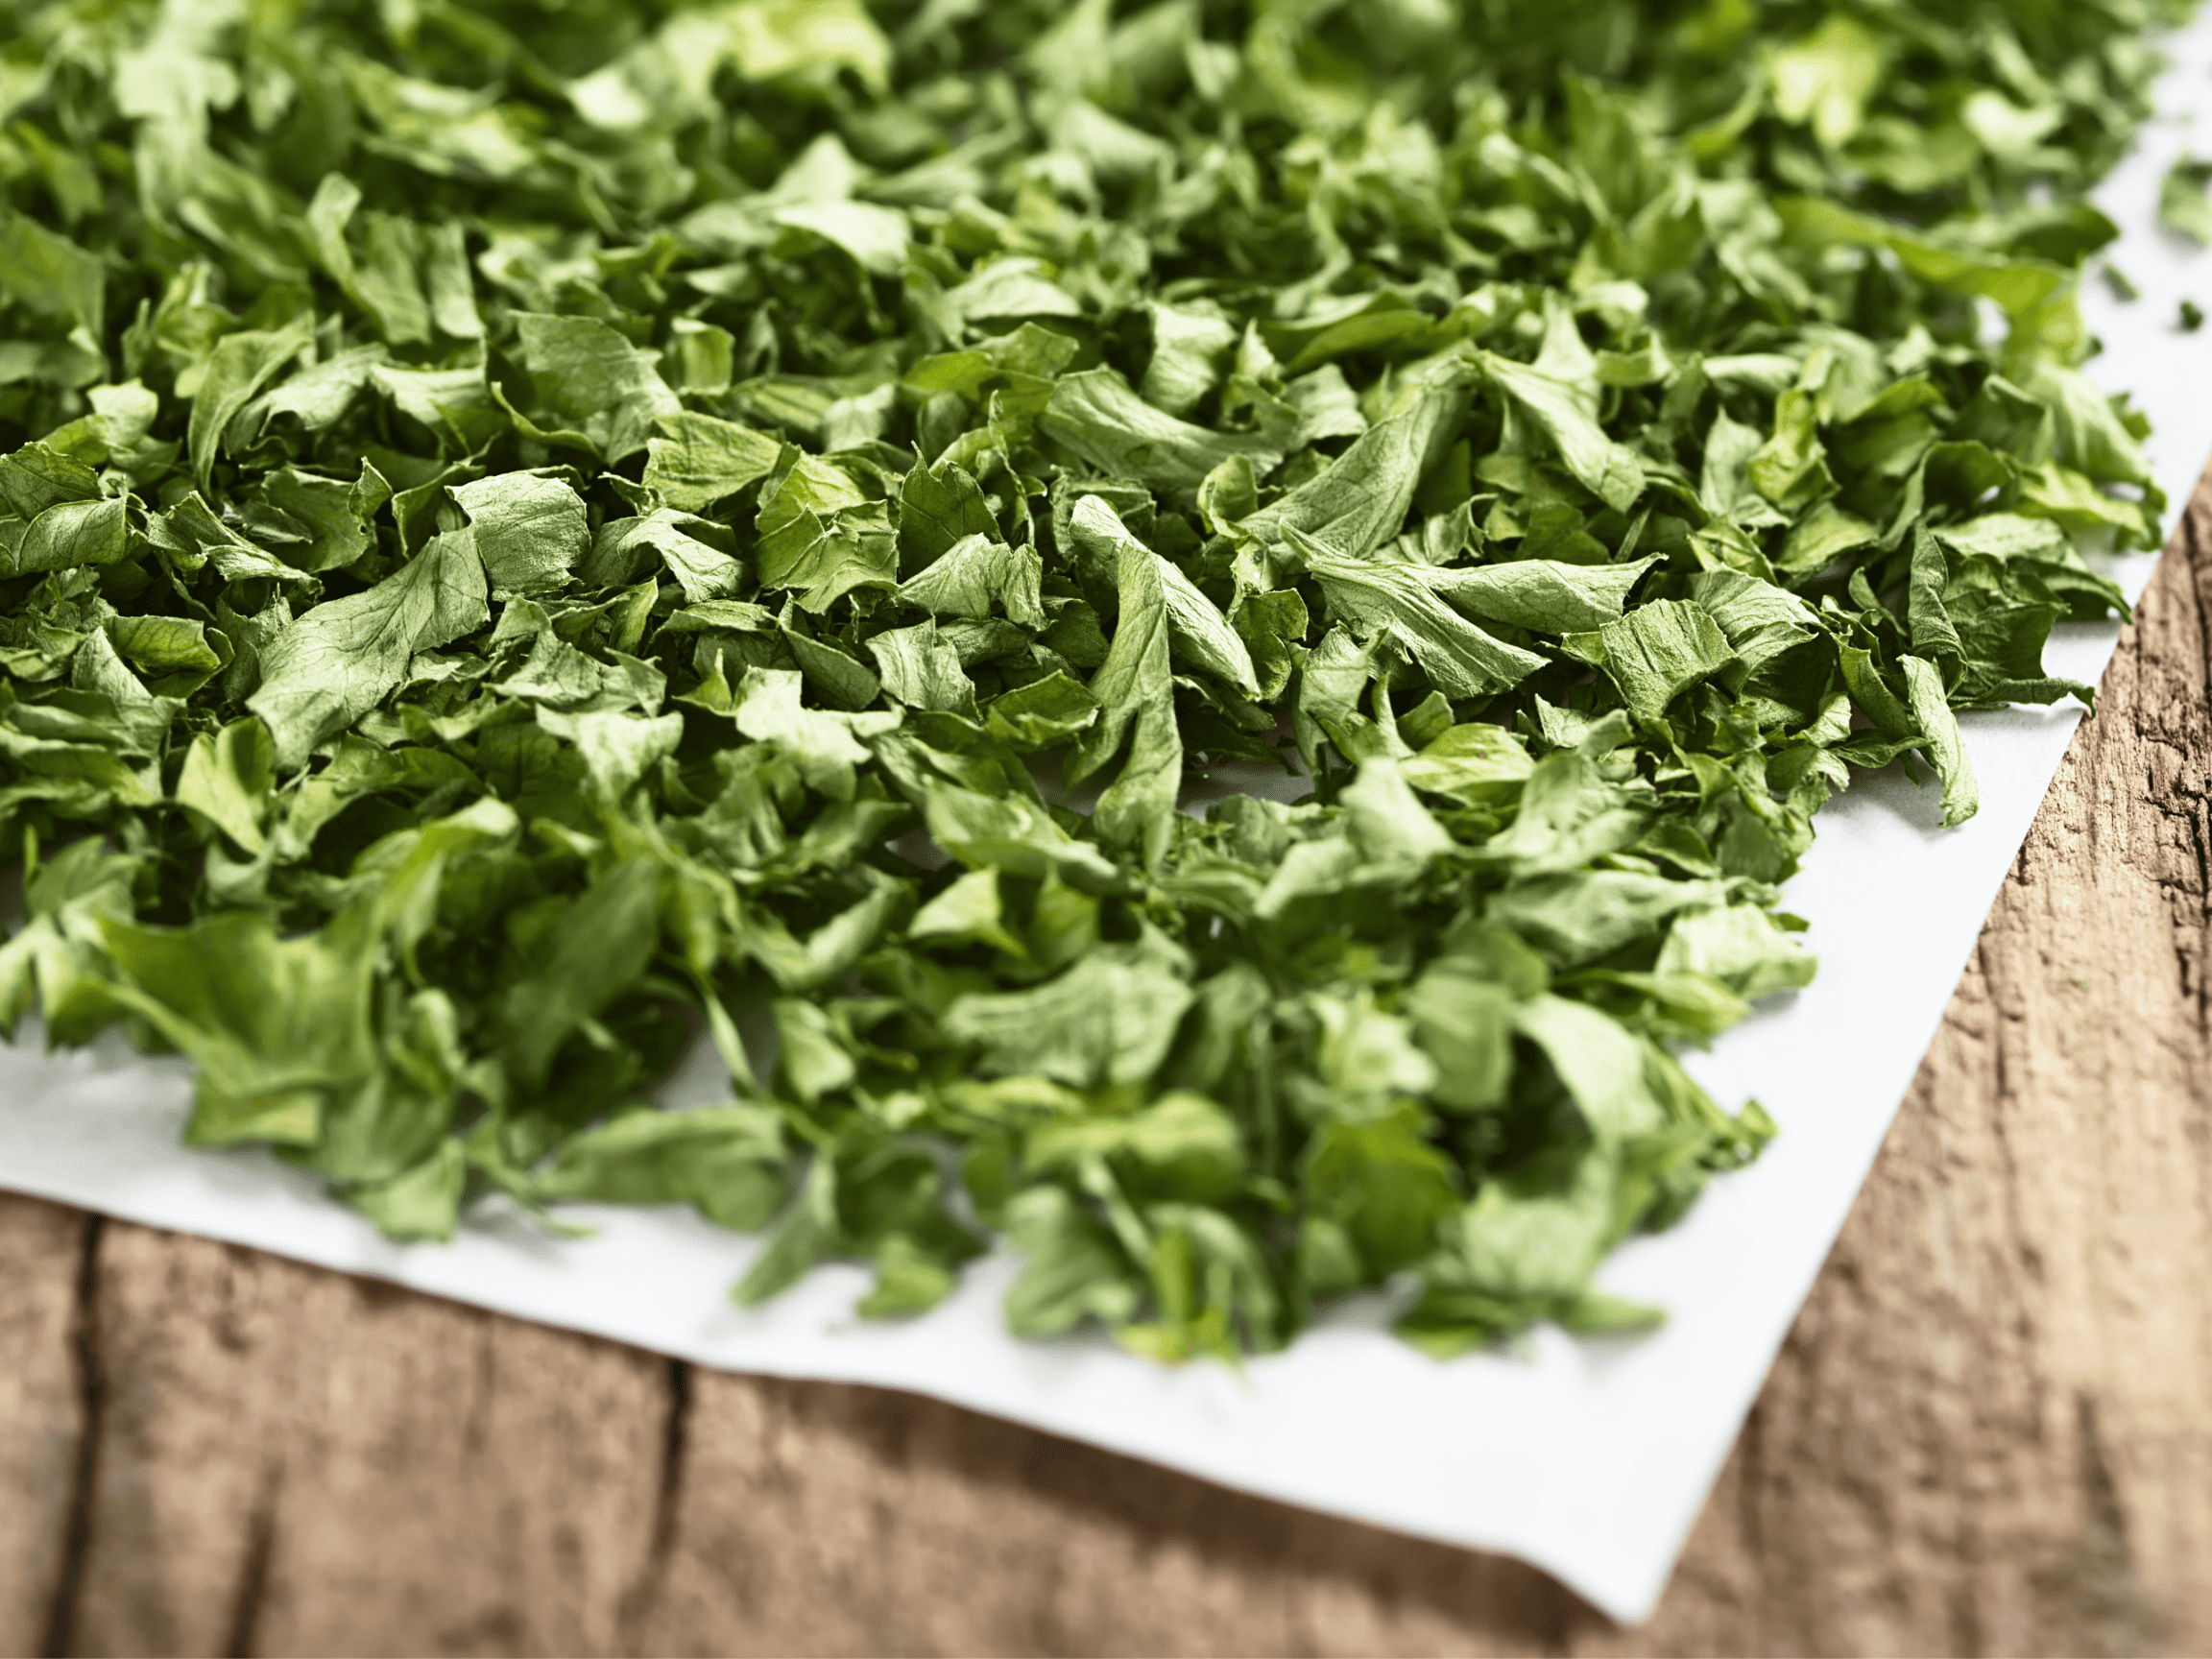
{"x": 1589, "y": 1458}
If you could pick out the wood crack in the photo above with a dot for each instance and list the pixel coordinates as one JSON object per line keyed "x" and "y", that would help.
{"x": 1750, "y": 1483}
{"x": 2092, "y": 1585}
{"x": 638, "y": 1602}
{"x": 254, "y": 1569}
{"x": 77, "y": 1542}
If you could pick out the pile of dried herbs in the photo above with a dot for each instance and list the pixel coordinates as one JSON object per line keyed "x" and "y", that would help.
{"x": 535, "y": 528}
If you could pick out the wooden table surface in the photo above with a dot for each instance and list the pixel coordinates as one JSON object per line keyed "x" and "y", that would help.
{"x": 1989, "y": 1432}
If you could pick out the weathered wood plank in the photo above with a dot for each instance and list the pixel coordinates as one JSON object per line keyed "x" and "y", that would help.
{"x": 1988, "y": 1433}
{"x": 41, "y": 1412}
{"x": 293, "y": 1461}
{"x": 840, "y": 1520}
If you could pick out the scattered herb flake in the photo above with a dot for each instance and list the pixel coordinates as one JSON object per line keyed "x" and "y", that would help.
{"x": 2182, "y": 204}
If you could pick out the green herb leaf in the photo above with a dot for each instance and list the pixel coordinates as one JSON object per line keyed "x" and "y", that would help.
{"x": 525, "y": 548}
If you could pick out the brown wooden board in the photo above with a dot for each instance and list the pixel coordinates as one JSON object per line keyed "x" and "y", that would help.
{"x": 1989, "y": 1432}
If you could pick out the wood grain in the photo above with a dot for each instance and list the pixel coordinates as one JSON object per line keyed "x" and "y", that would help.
{"x": 42, "y": 1412}
{"x": 1989, "y": 1432}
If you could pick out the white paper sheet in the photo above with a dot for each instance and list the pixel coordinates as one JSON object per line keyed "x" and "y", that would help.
{"x": 1589, "y": 1458}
